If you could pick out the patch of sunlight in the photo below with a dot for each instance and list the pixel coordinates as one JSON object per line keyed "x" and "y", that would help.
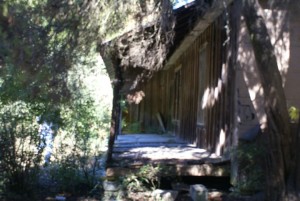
{"x": 280, "y": 38}
{"x": 91, "y": 80}
{"x": 294, "y": 114}
{"x": 98, "y": 83}
{"x": 130, "y": 21}
{"x": 255, "y": 91}
{"x": 205, "y": 98}
{"x": 180, "y": 3}
{"x": 211, "y": 95}
{"x": 221, "y": 143}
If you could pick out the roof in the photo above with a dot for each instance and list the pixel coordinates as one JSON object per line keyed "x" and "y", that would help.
{"x": 146, "y": 50}
{"x": 200, "y": 17}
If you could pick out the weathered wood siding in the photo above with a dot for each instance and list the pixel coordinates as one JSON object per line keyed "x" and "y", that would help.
{"x": 160, "y": 93}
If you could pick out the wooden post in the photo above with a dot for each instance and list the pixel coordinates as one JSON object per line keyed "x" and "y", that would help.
{"x": 116, "y": 112}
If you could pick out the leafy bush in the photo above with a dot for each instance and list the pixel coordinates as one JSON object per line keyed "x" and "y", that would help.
{"x": 21, "y": 148}
{"x": 78, "y": 130}
{"x": 251, "y": 175}
{"x": 147, "y": 178}
{"x": 53, "y": 74}
{"x": 294, "y": 114}
{"x": 134, "y": 127}
{"x": 81, "y": 136}
{"x": 75, "y": 162}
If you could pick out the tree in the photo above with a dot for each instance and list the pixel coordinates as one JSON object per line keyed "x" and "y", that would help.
{"x": 47, "y": 54}
{"x": 40, "y": 42}
{"x": 21, "y": 148}
{"x": 281, "y": 156}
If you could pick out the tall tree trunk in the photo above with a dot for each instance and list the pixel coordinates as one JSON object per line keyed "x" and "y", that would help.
{"x": 297, "y": 161}
{"x": 232, "y": 53}
{"x": 277, "y": 134}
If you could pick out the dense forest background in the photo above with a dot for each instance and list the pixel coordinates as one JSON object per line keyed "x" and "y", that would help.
{"x": 55, "y": 94}
{"x": 55, "y": 98}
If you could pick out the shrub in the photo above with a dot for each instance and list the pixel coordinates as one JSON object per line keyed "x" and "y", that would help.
{"x": 147, "y": 178}
{"x": 21, "y": 148}
{"x": 75, "y": 163}
{"x": 251, "y": 173}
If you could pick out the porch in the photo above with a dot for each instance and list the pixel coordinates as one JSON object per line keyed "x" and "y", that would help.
{"x": 178, "y": 158}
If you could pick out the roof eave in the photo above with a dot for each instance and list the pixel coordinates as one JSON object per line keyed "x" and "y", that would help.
{"x": 210, "y": 15}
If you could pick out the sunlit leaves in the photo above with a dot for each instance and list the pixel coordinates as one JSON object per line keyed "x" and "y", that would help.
{"x": 47, "y": 58}
{"x": 119, "y": 17}
{"x": 294, "y": 113}
{"x": 43, "y": 40}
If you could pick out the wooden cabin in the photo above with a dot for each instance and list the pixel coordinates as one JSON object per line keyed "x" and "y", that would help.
{"x": 190, "y": 97}
{"x": 207, "y": 95}
{"x": 188, "y": 101}
{"x": 284, "y": 30}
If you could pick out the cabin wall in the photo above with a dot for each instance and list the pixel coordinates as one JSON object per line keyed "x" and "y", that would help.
{"x": 293, "y": 73}
{"x": 155, "y": 105}
{"x": 178, "y": 94}
{"x": 284, "y": 30}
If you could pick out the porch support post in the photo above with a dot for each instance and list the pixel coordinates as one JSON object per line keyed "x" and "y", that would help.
{"x": 116, "y": 111}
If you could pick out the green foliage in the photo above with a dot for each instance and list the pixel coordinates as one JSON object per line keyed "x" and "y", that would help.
{"x": 251, "y": 175}
{"x": 73, "y": 175}
{"x": 80, "y": 127}
{"x": 294, "y": 114}
{"x": 40, "y": 41}
{"x": 147, "y": 178}
{"x": 61, "y": 83}
{"x": 75, "y": 163}
{"x": 78, "y": 145}
{"x": 79, "y": 139}
{"x": 49, "y": 69}
{"x": 120, "y": 17}
{"x": 20, "y": 148}
{"x": 134, "y": 127}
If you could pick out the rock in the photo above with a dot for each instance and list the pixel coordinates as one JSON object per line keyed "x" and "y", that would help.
{"x": 165, "y": 195}
{"x": 198, "y": 192}
{"x": 215, "y": 196}
{"x": 111, "y": 185}
{"x": 251, "y": 134}
{"x": 60, "y": 198}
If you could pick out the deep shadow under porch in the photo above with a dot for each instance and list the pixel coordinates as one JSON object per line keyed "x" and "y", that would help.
{"x": 178, "y": 158}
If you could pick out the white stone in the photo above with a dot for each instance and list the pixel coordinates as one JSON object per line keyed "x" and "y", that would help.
{"x": 60, "y": 198}
{"x": 110, "y": 185}
{"x": 198, "y": 192}
{"x": 165, "y": 195}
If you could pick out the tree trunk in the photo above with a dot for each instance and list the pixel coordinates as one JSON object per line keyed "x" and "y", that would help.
{"x": 297, "y": 160}
{"x": 232, "y": 55}
{"x": 277, "y": 134}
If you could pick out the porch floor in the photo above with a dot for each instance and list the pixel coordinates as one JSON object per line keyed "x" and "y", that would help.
{"x": 131, "y": 151}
